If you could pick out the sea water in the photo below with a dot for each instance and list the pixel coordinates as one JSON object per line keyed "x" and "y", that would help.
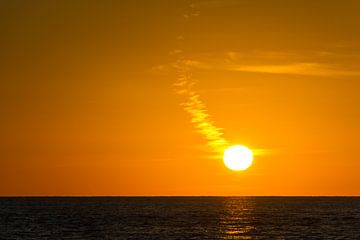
{"x": 180, "y": 218}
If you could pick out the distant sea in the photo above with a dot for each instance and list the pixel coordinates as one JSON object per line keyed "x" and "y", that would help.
{"x": 180, "y": 218}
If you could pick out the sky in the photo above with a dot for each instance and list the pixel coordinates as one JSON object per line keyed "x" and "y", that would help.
{"x": 90, "y": 107}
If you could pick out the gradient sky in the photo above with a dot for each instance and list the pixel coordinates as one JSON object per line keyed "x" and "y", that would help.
{"x": 88, "y": 105}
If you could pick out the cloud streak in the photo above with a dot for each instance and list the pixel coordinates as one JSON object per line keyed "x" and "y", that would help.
{"x": 300, "y": 68}
{"x": 197, "y": 109}
{"x": 276, "y": 63}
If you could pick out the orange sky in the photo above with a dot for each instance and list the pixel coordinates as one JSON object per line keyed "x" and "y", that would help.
{"x": 88, "y": 105}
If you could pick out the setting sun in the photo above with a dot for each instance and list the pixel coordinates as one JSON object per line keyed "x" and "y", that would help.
{"x": 238, "y": 157}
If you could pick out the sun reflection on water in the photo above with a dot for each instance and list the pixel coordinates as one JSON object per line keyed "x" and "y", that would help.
{"x": 237, "y": 219}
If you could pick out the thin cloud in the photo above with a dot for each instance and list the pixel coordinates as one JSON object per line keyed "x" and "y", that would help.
{"x": 301, "y": 68}
{"x": 196, "y": 107}
{"x": 315, "y": 64}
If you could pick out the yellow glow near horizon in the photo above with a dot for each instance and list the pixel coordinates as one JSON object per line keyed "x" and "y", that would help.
{"x": 238, "y": 157}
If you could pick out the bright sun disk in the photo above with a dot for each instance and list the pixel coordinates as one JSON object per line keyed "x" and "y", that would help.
{"x": 238, "y": 157}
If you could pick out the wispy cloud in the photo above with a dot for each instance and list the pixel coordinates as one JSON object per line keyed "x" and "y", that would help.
{"x": 197, "y": 109}
{"x": 300, "y": 68}
{"x": 317, "y": 64}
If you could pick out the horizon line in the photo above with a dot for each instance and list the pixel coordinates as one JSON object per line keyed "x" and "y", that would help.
{"x": 155, "y": 196}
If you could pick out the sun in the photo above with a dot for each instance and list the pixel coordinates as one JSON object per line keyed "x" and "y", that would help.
{"x": 238, "y": 157}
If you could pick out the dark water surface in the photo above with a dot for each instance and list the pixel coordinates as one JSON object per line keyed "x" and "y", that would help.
{"x": 180, "y": 218}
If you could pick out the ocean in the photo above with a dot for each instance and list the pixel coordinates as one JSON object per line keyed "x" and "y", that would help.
{"x": 180, "y": 218}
